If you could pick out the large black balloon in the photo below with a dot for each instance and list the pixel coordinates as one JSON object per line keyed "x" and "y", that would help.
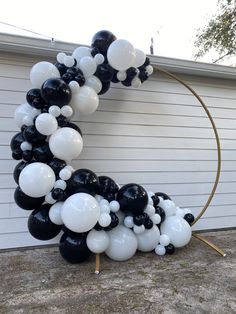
{"x": 32, "y": 135}
{"x": 105, "y": 87}
{"x": 104, "y": 72}
{"x": 82, "y": 180}
{"x": 74, "y": 126}
{"x": 34, "y": 98}
{"x": 27, "y": 202}
{"x": 17, "y": 170}
{"x": 73, "y": 247}
{"x": 57, "y": 165}
{"x": 102, "y": 40}
{"x": 16, "y": 142}
{"x": 56, "y": 92}
{"x": 40, "y": 225}
{"x": 132, "y": 198}
{"x": 107, "y": 188}
{"x": 42, "y": 153}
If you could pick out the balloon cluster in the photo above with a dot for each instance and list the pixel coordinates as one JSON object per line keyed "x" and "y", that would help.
{"x": 94, "y": 213}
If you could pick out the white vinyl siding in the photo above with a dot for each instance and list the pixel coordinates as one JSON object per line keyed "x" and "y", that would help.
{"x": 157, "y": 136}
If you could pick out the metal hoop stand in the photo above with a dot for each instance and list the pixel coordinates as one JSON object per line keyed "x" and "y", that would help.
{"x": 195, "y": 235}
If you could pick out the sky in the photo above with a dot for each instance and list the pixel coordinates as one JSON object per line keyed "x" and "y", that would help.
{"x": 172, "y": 24}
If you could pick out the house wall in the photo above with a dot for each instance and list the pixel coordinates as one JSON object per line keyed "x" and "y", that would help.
{"x": 157, "y": 135}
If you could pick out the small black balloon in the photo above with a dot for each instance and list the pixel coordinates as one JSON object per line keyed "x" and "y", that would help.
{"x": 105, "y": 88}
{"x": 160, "y": 211}
{"x": 17, "y": 170}
{"x": 62, "y": 121}
{"x": 57, "y": 165}
{"x": 59, "y": 194}
{"x": 98, "y": 227}
{"x": 17, "y": 155}
{"x": 74, "y": 126}
{"x": 23, "y": 127}
{"x": 104, "y": 72}
{"x": 16, "y": 142}
{"x": 139, "y": 220}
{"x": 133, "y": 198}
{"x": 27, "y": 155}
{"x": 73, "y": 248}
{"x": 83, "y": 180}
{"x": 148, "y": 224}
{"x": 114, "y": 222}
{"x": 170, "y": 249}
{"x": 32, "y": 135}
{"x": 155, "y": 200}
{"x": 40, "y": 226}
{"x": 107, "y": 188}
{"x": 163, "y": 195}
{"x": 189, "y": 218}
{"x": 56, "y": 92}
{"x": 61, "y": 68}
{"x": 27, "y": 202}
{"x": 114, "y": 78}
{"x": 74, "y": 74}
{"x": 42, "y": 153}
{"x": 102, "y": 40}
{"x": 143, "y": 76}
{"x": 34, "y": 98}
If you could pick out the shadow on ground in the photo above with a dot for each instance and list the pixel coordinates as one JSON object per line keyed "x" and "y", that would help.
{"x": 194, "y": 280}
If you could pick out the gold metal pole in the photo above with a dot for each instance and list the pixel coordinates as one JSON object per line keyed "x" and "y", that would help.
{"x": 97, "y": 266}
{"x": 207, "y": 242}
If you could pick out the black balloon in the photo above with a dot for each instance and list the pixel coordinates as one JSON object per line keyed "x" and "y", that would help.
{"x": 17, "y": 155}
{"x": 27, "y": 155}
{"x": 102, "y": 40}
{"x": 170, "y": 249}
{"x": 189, "y": 218}
{"x": 61, "y": 68}
{"x": 31, "y": 135}
{"x": 74, "y": 126}
{"x": 155, "y": 200}
{"x": 105, "y": 87}
{"x": 34, "y": 98}
{"x": 73, "y": 248}
{"x": 132, "y": 198}
{"x": 163, "y": 195}
{"x": 143, "y": 76}
{"x": 114, "y": 78}
{"x": 148, "y": 224}
{"x": 160, "y": 211}
{"x": 18, "y": 168}
{"x": 83, "y": 180}
{"x": 56, "y": 92}
{"x": 62, "y": 121}
{"x": 27, "y": 202}
{"x": 40, "y": 226}
{"x": 57, "y": 165}
{"x": 139, "y": 220}
{"x": 16, "y": 142}
{"x": 74, "y": 74}
{"x": 42, "y": 153}
{"x": 104, "y": 72}
{"x": 114, "y": 222}
{"x": 59, "y": 194}
{"x": 107, "y": 188}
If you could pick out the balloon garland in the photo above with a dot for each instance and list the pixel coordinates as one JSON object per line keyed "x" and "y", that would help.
{"x": 95, "y": 214}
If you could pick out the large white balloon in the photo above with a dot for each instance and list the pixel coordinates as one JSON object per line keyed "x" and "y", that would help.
{"x": 123, "y": 244}
{"x": 178, "y": 230}
{"x": 148, "y": 240}
{"x": 80, "y": 212}
{"x": 81, "y": 52}
{"x": 37, "y": 179}
{"x": 55, "y": 213}
{"x": 94, "y": 83}
{"x": 121, "y": 54}
{"x": 41, "y": 72}
{"x": 85, "y": 101}
{"x": 46, "y": 123}
{"x": 97, "y": 241}
{"x": 66, "y": 144}
{"x": 140, "y": 58}
{"x": 23, "y": 111}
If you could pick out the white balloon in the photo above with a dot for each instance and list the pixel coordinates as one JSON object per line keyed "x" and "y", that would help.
{"x": 187, "y": 211}
{"x": 66, "y": 143}
{"x": 68, "y": 61}
{"x": 28, "y": 120}
{"x": 97, "y": 241}
{"x": 160, "y": 250}
{"x": 140, "y": 58}
{"x": 136, "y": 83}
{"x": 60, "y": 184}
{"x": 46, "y": 124}
{"x": 139, "y": 229}
{"x": 114, "y": 206}
{"x": 41, "y": 72}
{"x": 26, "y": 146}
{"x": 67, "y": 111}
{"x": 37, "y": 179}
{"x": 23, "y": 111}
{"x": 60, "y": 57}
{"x": 99, "y": 58}
{"x": 94, "y": 83}
{"x": 164, "y": 239}
{"x": 74, "y": 86}
{"x": 55, "y": 213}
{"x": 168, "y": 206}
{"x": 85, "y": 101}
{"x": 54, "y": 111}
{"x": 148, "y": 240}
{"x": 65, "y": 174}
{"x": 49, "y": 199}
{"x": 105, "y": 208}
{"x": 149, "y": 69}
{"x": 104, "y": 220}
{"x": 179, "y": 212}
{"x": 156, "y": 219}
{"x": 123, "y": 244}
{"x": 121, "y": 216}
{"x": 178, "y": 230}
{"x": 150, "y": 210}
{"x": 88, "y": 66}
{"x": 98, "y": 198}
{"x": 81, "y": 52}
{"x": 129, "y": 221}
{"x": 103, "y": 202}
{"x": 80, "y": 212}
{"x": 121, "y": 75}
{"x": 121, "y": 54}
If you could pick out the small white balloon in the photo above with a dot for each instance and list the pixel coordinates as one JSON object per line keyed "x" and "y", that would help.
{"x": 99, "y": 58}
{"x": 104, "y": 220}
{"x": 55, "y": 213}
{"x": 121, "y": 54}
{"x": 160, "y": 250}
{"x": 140, "y": 58}
{"x": 178, "y": 230}
{"x": 81, "y": 52}
{"x": 103, "y": 202}
{"x": 187, "y": 211}
{"x": 94, "y": 83}
{"x": 49, "y": 199}
{"x": 114, "y": 206}
{"x": 97, "y": 241}
{"x": 60, "y": 57}
{"x": 65, "y": 174}
{"x": 139, "y": 229}
{"x": 164, "y": 239}
{"x": 121, "y": 75}
{"x": 149, "y": 69}
{"x": 105, "y": 208}
{"x": 80, "y": 212}
{"x": 60, "y": 184}
{"x": 67, "y": 111}
{"x": 74, "y": 86}
{"x": 136, "y": 83}
{"x": 70, "y": 168}
{"x": 150, "y": 201}
{"x": 179, "y": 212}
{"x": 37, "y": 179}
{"x": 66, "y": 144}
{"x": 85, "y": 101}
{"x": 129, "y": 221}
{"x": 26, "y": 146}
{"x": 69, "y": 61}
{"x": 148, "y": 240}
{"x": 42, "y": 71}
{"x": 46, "y": 124}
{"x": 150, "y": 210}
{"x": 28, "y": 120}
{"x": 88, "y": 66}
{"x": 156, "y": 219}
{"x": 98, "y": 198}
{"x": 54, "y": 111}
{"x": 123, "y": 244}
